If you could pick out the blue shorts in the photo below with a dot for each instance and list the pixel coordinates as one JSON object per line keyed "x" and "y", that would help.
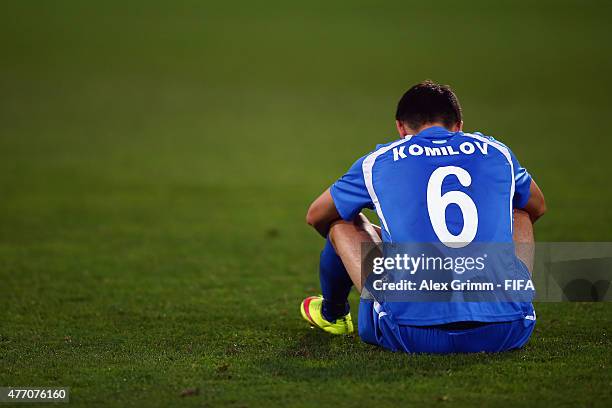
{"x": 379, "y": 329}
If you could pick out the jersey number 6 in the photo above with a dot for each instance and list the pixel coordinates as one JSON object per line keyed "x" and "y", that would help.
{"x": 437, "y": 203}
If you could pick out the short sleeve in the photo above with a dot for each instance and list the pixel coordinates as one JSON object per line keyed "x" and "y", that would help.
{"x": 522, "y": 183}
{"x": 522, "y": 178}
{"x": 350, "y": 193}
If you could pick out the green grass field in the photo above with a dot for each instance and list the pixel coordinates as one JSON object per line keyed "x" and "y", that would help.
{"x": 157, "y": 160}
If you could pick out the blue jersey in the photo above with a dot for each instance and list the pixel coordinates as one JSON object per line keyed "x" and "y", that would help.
{"x": 440, "y": 186}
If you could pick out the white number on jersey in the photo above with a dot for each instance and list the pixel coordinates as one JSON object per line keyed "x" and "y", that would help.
{"x": 437, "y": 203}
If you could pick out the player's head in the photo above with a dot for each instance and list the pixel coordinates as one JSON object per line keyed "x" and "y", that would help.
{"x": 427, "y": 104}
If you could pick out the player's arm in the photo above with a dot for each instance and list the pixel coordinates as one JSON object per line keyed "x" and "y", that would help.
{"x": 344, "y": 200}
{"x": 322, "y": 213}
{"x": 536, "y": 205}
{"x": 527, "y": 195}
{"x": 523, "y": 224}
{"x": 524, "y": 242}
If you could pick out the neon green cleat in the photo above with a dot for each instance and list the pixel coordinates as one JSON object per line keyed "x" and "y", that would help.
{"x": 311, "y": 311}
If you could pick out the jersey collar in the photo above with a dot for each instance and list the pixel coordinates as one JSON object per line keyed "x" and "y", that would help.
{"x": 435, "y": 132}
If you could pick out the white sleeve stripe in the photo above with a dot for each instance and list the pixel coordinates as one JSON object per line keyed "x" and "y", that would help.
{"x": 504, "y": 150}
{"x": 367, "y": 167}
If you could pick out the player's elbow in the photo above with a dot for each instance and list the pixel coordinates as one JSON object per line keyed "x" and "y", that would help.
{"x": 312, "y": 217}
{"x": 540, "y": 211}
{"x": 322, "y": 213}
{"x": 315, "y": 217}
{"x": 537, "y": 209}
{"x": 536, "y": 205}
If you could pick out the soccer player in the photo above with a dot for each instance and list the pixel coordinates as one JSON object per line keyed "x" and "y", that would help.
{"x": 411, "y": 183}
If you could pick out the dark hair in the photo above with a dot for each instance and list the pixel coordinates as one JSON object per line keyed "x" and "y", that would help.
{"x": 429, "y": 102}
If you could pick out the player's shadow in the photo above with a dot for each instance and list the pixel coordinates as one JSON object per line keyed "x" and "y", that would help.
{"x": 312, "y": 344}
{"x": 313, "y": 354}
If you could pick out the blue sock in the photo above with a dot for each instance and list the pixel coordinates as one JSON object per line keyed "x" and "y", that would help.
{"x": 335, "y": 284}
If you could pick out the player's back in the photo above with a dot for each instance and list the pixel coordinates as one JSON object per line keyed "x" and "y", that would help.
{"x": 442, "y": 186}
{"x": 452, "y": 190}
